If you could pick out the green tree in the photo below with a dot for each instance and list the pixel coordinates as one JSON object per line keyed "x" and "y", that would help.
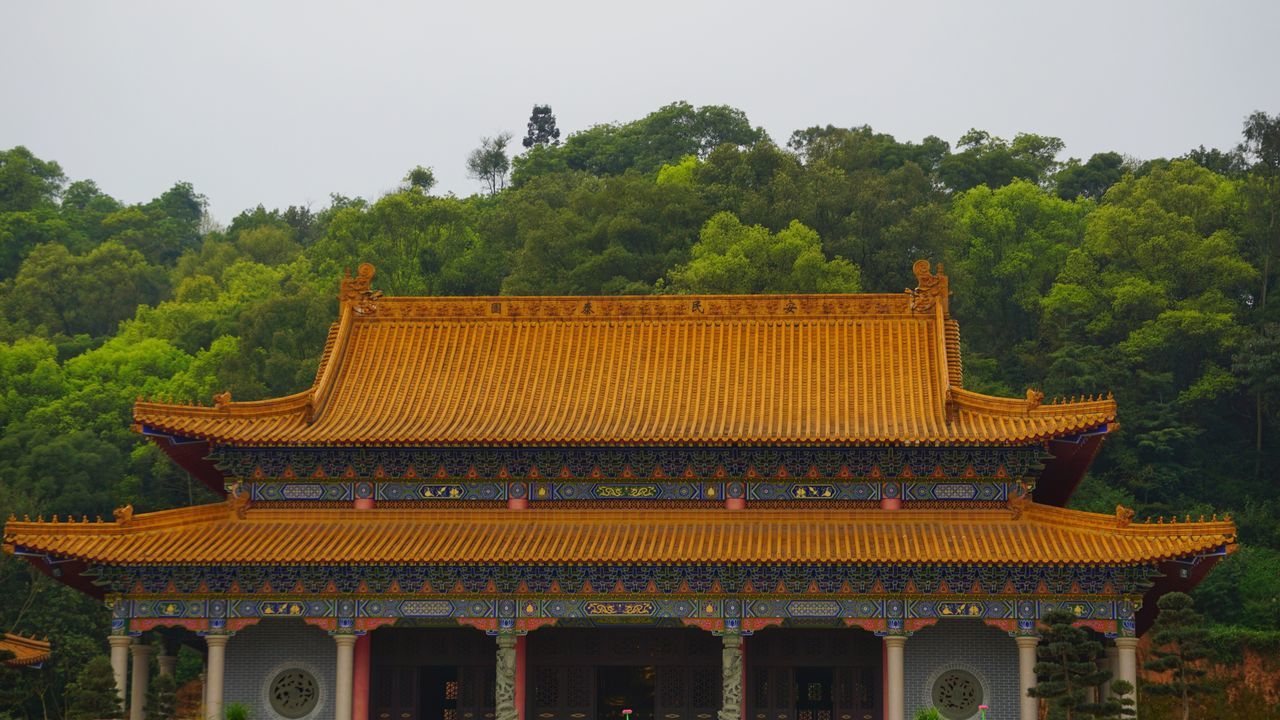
{"x": 162, "y": 700}
{"x": 1150, "y": 304}
{"x": 88, "y": 293}
{"x": 1090, "y": 179}
{"x": 1067, "y": 667}
{"x": 26, "y": 181}
{"x": 660, "y": 138}
{"x": 421, "y": 179}
{"x": 1179, "y": 649}
{"x": 573, "y": 233}
{"x": 422, "y": 245}
{"x": 542, "y": 128}
{"x": 730, "y": 257}
{"x": 1011, "y": 244}
{"x": 93, "y": 695}
{"x": 861, "y": 148}
{"x": 489, "y": 163}
{"x": 1261, "y": 195}
{"x": 983, "y": 159}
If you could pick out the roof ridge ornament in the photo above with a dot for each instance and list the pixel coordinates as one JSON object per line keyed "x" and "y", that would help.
{"x": 358, "y": 291}
{"x": 123, "y": 515}
{"x": 1020, "y": 499}
{"x": 1124, "y": 516}
{"x": 237, "y": 500}
{"x": 931, "y": 289}
{"x": 1034, "y": 398}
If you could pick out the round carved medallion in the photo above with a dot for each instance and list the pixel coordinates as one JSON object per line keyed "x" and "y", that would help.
{"x": 957, "y": 694}
{"x": 294, "y": 693}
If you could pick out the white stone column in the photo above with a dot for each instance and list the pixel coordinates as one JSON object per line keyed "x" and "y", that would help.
{"x": 1127, "y": 664}
{"x": 216, "y": 671}
{"x": 346, "y": 643}
{"x": 1029, "y": 706}
{"x": 166, "y": 664}
{"x": 204, "y": 691}
{"x": 895, "y": 701}
{"x": 141, "y": 652}
{"x": 120, "y": 663}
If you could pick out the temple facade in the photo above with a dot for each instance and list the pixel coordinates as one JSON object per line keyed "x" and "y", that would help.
{"x": 658, "y": 508}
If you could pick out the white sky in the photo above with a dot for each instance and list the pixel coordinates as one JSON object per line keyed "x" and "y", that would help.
{"x": 282, "y": 103}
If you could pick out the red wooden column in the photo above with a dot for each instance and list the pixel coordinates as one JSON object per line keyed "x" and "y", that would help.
{"x": 522, "y": 642}
{"x": 363, "y": 656}
{"x": 519, "y": 503}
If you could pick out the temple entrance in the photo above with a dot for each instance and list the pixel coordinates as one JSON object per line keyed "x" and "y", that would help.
{"x": 596, "y": 673}
{"x": 432, "y": 674}
{"x": 813, "y": 674}
{"x": 625, "y": 687}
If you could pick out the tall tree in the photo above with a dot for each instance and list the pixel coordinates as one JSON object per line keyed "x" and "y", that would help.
{"x": 26, "y": 181}
{"x": 542, "y": 128}
{"x": 984, "y": 159}
{"x": 489, "y": 163}
{"x": 421, "y": 179}
{"x": 1261, "y": 194}
{"x": 1090, "y": 179}
{"x": 93, "y": 695}
{"x": 1179, "y": 648}
{"x": 1067, "y": 667}
{"x": 162, "y": 698}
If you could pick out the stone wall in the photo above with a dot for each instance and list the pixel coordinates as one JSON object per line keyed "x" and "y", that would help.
{"x": 987, "y": 653}
{"x": 258, "y": 653}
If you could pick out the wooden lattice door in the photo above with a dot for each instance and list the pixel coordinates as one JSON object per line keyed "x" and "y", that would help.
{"x": 562, "y": 692}
{"x": 476, "y": 692}
{"x": 396, "y": 693}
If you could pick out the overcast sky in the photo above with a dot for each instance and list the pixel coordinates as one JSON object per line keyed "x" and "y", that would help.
{"x": 283, "y": 103}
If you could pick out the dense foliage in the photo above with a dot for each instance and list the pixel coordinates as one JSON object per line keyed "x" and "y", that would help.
{"x": 1147, "y": 278}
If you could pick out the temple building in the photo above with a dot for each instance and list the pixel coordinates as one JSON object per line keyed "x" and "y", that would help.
{"x": 781, "y": 507}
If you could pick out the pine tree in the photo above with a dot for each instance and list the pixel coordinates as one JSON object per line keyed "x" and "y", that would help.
{"x": 1067, "y": 668}
{"x": 93, "y": 696}
{"x": 1120, "y": 705}
{"x": 162, "y": 698}
{"x": 542, "y": 128}
{"x": 1178, "y": 645}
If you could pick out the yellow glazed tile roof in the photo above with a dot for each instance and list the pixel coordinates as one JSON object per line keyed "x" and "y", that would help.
{"x": 663, "y": 370}
{"x": 26, "y": 650}
{"x": 215, "y": 534}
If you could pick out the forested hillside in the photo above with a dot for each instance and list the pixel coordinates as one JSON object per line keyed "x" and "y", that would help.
{"x": 1149, "y": 278}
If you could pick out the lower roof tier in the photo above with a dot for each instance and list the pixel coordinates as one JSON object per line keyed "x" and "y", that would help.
{"x": 23, "y": 650}
{"x": 220, "y": 534}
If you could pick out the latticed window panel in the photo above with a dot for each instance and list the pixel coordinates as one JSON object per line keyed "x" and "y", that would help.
{"x": 546, "y": 687}
{"x": 704, "y": 686}
{"x": 578, "y": 690}
{"x": 671, "y": 690}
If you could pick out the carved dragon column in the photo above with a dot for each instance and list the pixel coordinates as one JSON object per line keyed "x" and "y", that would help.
{"x": 731, "y": 676}
{"x": 505, "y": 685}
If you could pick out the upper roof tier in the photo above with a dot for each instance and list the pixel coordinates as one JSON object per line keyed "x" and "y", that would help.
{"x": 866, "y": 369}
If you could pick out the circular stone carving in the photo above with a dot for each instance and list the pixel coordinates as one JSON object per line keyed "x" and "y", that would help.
{"x": 293, "y": 693}
{"x": 957, "y": 694}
